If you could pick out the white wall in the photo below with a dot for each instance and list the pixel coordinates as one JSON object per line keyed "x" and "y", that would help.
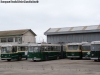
{"x": 28, "y": 37}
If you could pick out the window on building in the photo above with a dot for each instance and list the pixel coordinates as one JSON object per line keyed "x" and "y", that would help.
{"x": 3, "y": 39}
{"x": 18, "y": 39}
{"x": 10, "y": 39}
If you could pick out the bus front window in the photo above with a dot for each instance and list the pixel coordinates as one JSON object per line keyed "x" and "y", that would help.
{"x": 30, "y": 49}
{"x": 95, "y": 47}
{"x": 6, "y": 50}
{"x": 85, "y": 48}
{"x": 36, "y": 49}
{"x": 73, "y": 47}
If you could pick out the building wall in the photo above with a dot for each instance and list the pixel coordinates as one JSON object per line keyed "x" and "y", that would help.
{"x": 82, "y": 37}
{"x": 14, "y": 42}
{"x": 28, "y": 37}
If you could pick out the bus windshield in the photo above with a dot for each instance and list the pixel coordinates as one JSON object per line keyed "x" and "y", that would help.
{"x": 30, "y": 49}
{"x": 95, "y": 47}
{"x": 36, "y": 49}
{"x": 73, "y": 47}
{"x": 85, "y": 48}
{"x": 6, "y": 49}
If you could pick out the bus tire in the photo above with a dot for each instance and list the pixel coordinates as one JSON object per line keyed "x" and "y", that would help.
{"x": 8, "y": 59}
{"x": 19, "y": 58}
{"x": 95, "y": 60}
{"x": 57, "y": 57}
{"x": 71, "y": 58}
{"x": 46, "y": 58}
{"x": 26, "y": 58}
{"x": 33, "y": 59}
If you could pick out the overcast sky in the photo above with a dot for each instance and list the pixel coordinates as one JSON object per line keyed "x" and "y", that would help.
{"x": 49, "y": 14}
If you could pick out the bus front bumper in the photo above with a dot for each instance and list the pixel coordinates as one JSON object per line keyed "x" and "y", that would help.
{"x": 94, "y": 58}
{"x": 34, "y": 58}
{"x": 85, "y": 57}
{"x": 5, "y": 58}
{"x": 73, "y": 56}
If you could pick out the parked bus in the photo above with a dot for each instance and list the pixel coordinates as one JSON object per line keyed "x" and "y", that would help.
{"x": 86, "y": 49}
{"x": 18, "y": 51}
{"x": 78, "y": 50}
{"x": 74, "y": 50}
{"x": 45, "y": 51}
{"x": 95, "y": 50}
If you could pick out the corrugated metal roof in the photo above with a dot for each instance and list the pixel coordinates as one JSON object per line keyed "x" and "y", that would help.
{"x": 53, "y": 30}
{"x": 15, "y": 32}
{"x": 92, "y": 27}
{"x": 68, "y": 30}
{"x": 95, "y": 42}
{"x": 64, "y": 29}
{"x": 77, "y": 28}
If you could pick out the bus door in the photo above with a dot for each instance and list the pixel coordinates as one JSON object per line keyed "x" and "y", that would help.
{"x": 62, "y": 53}
{"x": 81, "y": 54}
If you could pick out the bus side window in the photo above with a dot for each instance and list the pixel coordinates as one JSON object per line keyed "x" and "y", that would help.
{"x": 26, "y": 48}
{"x": 64, "y": 48}
{"x": 49, "y": 48}
{"x": 80, "y": 47}
{"x": 45, "y": 48}
{"x": 55, "y": 48}
{"x": 19, "y": 48}
{"x": 41, "y": 49}
{"x": 14, "y": 49}
{"x": 23, "y": 48}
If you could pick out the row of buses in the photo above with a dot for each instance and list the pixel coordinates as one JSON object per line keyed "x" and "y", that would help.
{"x": 36, "y": 52}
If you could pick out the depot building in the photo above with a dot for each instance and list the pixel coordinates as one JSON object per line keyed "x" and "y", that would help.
{"x": 73, "y": 34}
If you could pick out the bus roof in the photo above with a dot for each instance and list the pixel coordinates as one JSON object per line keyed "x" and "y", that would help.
{"x": 74, "y": 44}
{"x": 5, "y": 45}
{"x": 95, "y": 42}
{"x": 86, "y": 43}
{"x": 44, "y": 45}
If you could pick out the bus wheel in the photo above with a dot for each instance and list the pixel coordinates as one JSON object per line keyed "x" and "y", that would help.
{"x": 46, "y": 57}
{"x": 33, "y": 59}
{"x": 8, "y": 59}
{"x": 57, "y": 57}
{"x": 26, "y": 58}
{"x": 71, "y": 58}
{"x": 19, "y": 58}
{"x": 95, "y": 60}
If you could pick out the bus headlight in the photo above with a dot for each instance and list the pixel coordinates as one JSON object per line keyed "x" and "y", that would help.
{"x": 92, "y": 54}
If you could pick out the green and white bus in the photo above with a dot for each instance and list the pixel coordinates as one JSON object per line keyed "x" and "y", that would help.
{"x": 44, "y": 51}
{"x": 74, "y": 50}
{"x": 17, "y": 51}
{"x": 86, "y": 49}
{"x": 95, "y": 50}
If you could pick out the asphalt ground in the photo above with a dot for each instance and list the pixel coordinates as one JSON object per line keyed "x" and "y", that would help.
{"x": 52, "y": 67}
